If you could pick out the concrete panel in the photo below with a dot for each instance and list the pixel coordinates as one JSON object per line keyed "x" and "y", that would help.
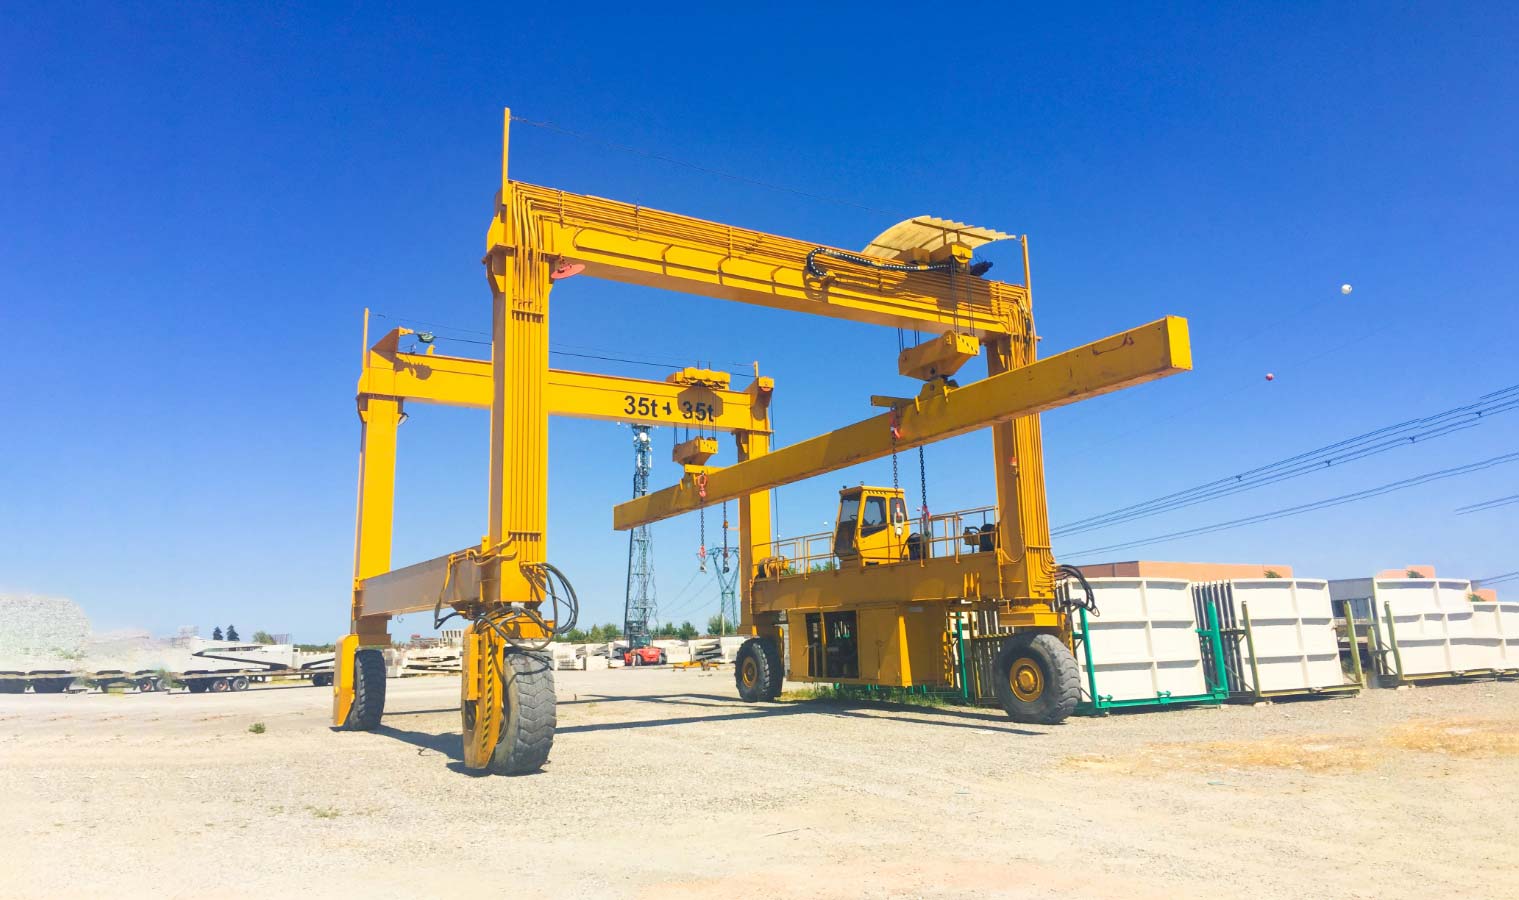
{"x": 1495, "y": 634}
{"x": 1432, "y": 621}
{"x": 1144, "y": 644}
{"x": 1292, "y": 626}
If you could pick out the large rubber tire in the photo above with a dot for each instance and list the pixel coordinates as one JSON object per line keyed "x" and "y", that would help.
{"x": 1036, "y": 679}
{"x": 368, "y": 691}
{"x": 757, "y": 670}
{"x": 321, "y": 679}
{"x": 220, "y": 685}
{"x": 635, "y": 659}
{"x": 240, "y": 682}
{"x": 197, "y": 685}
{"x": 529, "y": 714}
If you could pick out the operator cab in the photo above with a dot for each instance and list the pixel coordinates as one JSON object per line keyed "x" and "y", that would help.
{"x": 872, "y": 525}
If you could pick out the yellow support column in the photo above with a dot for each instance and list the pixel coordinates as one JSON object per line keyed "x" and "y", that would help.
{"x": 519, "y": 280}
{"x": 1023, "y": 524}
{"x": 380, "y": 418}
{"x": 753, "y": 527}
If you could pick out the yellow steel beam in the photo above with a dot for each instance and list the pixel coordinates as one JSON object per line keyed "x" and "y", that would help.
{"x": 637, "y": 245}
{"x": 1133, "y": 357}
{"x": 459, "y": 381}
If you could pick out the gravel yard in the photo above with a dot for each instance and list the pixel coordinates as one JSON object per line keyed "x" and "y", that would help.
{"x": 663, "y": 784}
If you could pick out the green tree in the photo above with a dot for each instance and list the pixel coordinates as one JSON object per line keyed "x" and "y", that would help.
{"x": 262, "y": 637}
{"x": 216, "y": 633}
{"x": 687, "y": 631}
{"x": 719, "y": 625}
{"x": 232, "y": 633}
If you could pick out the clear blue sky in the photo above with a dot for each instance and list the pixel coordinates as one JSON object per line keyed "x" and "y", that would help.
{"x": 197, "y": 203}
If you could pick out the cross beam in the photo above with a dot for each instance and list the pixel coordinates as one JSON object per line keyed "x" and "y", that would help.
{"x": 638, "y": 245}
{"x": 1133, "y": 357}
{"x": 460, "y": 381}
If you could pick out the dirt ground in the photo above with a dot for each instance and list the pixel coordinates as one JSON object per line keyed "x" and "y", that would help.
{"x": 664, "y": 784}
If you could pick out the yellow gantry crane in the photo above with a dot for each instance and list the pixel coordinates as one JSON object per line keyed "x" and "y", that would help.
{"x": 880, "y": 611}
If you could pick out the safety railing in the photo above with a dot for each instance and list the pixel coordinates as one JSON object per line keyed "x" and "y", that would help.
{"x": 947, "y": 535}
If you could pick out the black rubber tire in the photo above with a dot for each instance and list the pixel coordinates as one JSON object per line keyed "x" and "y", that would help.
{"x": 220, "y": 685}
{"x": 368, "y": 691}
{"x": 51, "y": 685}
{"x": 763, "y": 682}
{"x": 196, "y": 686}
{"x": 529, "y": 713}
{"x": 663, "y": 658}
{"x": 239, "y": 682}
{"x": 321, "y": 679}
{"x": 1060, "y": 681}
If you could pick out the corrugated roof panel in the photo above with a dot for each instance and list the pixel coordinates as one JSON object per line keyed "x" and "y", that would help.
{"x": 929, "y": 233}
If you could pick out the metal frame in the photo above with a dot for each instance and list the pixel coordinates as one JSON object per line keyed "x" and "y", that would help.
{"x": 1099, "y": 704}
{"x": 539, "y": 234}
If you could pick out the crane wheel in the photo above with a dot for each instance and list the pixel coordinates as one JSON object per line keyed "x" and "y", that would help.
{"x": 529, "y": 713}
{"x": 368, "y": 691}
{"x": 757, "y": 671}
{"x": 1036, "y": 679}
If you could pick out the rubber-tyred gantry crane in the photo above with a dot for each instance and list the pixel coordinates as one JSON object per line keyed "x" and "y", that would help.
{"x": 878, "y": 620}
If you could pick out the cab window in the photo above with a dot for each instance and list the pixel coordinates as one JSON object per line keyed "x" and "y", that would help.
{"x": 898, "y": 511}
{"x": 875, "y": 516}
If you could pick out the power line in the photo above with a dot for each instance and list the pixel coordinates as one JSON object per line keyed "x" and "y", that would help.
{"x": 1496, "y": 579}
{"x": 1486, "y": 505}
{"x": 572, "y": 351}
{"x": 1350, "y": 449}
{"x": 1310, "y": 507}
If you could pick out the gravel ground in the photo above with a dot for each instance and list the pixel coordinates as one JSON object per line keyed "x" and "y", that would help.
{"x": 663, "y": 784}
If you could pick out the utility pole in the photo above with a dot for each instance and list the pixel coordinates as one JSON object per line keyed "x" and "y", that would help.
{"x": 639, "y": 607}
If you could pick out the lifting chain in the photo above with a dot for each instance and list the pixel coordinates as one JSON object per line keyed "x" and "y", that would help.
{"x": 923, "y": 486}
{"x": 896, "y": 432}
{"x": 725, "y": 537}
{"x": 701, "y": 552}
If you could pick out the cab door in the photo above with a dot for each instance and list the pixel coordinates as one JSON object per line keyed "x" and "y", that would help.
{"x": 879, "y": 539}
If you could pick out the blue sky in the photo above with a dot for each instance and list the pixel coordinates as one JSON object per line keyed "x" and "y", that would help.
{"x": 200, "y": 201}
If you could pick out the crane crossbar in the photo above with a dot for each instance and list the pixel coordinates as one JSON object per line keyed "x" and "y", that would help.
{"x": 637, "y": 245}
{"x": 1133, "y": 357}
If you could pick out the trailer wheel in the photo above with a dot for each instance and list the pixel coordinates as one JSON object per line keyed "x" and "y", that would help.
{"x": 1036, "y": 679}
{"x": 321, "y": 679}
{"x": 240, "y": 682}
{"x": 529, "y": 713}
{"x": 368, "y": 691}
{"x": 758, "y": 670}
{"x": 196, "y": 685}
{"x": 220, "y": 686}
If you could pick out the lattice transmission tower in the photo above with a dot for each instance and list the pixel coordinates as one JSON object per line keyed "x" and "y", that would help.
{"x": 639, "y": 608}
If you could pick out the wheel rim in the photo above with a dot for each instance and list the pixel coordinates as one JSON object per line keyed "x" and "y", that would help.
{"x": 749, "y": 672}
{"x": 1026, "y": 679}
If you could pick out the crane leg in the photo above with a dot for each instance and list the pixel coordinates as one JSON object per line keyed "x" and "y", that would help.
{"x": 508, "y": 708}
